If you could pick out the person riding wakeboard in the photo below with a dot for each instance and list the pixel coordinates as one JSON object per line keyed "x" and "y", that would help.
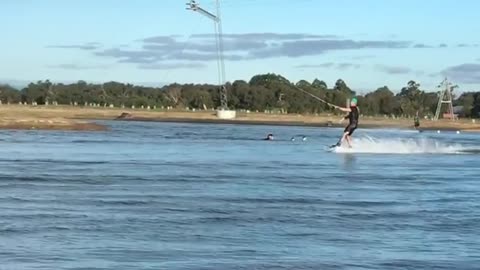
{"x": 352, "y": 117}
{"x": 416, "y": 121}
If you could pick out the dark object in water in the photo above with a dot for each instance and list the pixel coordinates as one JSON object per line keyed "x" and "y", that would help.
{"x": 125, "y": 116}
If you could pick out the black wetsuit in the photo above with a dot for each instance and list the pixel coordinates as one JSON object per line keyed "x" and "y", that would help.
{"x": 353, "y": 120}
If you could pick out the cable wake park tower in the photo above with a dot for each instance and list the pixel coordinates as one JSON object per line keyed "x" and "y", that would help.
{"x": 445, "y": 97}
{"x": 224, "y": 112}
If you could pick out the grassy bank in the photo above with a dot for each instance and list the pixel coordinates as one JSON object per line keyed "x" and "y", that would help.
{"x": 75, "y": 118}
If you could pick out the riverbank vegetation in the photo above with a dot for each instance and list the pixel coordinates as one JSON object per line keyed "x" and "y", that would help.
{"x": 266, "y": 92}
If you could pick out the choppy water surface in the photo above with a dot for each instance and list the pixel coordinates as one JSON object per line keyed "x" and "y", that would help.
{"x": 194, "y": 196}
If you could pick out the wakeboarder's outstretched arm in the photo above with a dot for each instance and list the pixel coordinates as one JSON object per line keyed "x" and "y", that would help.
{"x": 343, "y": 109}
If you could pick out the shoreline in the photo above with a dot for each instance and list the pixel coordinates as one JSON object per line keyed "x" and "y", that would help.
{"x": 289, "y": 123}
{"x": 241, "y": 122}
{"x": 79, "y": 119}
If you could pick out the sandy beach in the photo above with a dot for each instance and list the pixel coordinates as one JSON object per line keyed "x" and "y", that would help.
{"x": 44, "y": 118}
{"x": 80, "y": 118}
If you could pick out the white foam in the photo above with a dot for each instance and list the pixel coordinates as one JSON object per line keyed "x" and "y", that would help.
{"x": 398, "y": 146}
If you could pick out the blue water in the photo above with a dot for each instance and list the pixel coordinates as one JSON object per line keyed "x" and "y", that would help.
{"x": 197, "y": 196}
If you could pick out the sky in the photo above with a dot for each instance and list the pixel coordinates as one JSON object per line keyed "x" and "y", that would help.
{"x": 366, "y": 43}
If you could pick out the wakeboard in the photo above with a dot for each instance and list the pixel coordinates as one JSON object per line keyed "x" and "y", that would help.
{"x": 335, "y": 145}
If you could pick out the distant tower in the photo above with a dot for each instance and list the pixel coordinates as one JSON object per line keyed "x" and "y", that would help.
{"x": 445, "y": 97}
{"x": 193, "y": 5}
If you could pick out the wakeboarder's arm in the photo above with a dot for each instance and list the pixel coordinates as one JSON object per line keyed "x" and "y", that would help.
{"x": 343, "y": 109}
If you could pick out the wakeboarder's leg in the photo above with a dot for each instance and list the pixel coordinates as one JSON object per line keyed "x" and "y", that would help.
{"x": 349, "y": 141}
{"x": 342, "y": 139}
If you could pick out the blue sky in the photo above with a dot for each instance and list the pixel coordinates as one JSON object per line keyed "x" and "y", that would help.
{"x": 367, "y": 43}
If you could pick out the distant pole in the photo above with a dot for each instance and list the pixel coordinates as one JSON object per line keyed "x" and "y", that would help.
{"x": 194, "y": 6}
{"x": 445, "y": 98}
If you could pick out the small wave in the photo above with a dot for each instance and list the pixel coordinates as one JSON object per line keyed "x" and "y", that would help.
{"x": 368, "y": 203}
{"x": 274, "y": 200}
{"x": 402, "y": 146}
{"x": 105, "y": 141}
{"x": 123, "y": 202}
{"x": 419, "y": 264}
{"x": 24, "y": 230}
{"x": 29, "y": 161}
{"x": 11, "y": 230}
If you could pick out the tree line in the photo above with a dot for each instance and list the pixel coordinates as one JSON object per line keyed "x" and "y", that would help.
{"x": 265, "y": 92}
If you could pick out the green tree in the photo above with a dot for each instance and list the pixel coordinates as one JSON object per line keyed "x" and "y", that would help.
{"x": 342, "y": 87}
{"x": 9, "y": 94}
{"x": 475, "y": 112}
{"x": 411, "y": 99}
{"x": 381, "y": 101}
{"x": 467, "y": 101}
{"x": 262, "y": 92}
{"x": 319, "y": 84}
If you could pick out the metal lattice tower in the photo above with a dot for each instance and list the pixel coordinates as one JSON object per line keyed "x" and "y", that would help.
{"x": 194, "y": 6}
{"x": 445, "y": 97}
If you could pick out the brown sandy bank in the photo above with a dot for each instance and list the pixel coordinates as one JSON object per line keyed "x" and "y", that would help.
{"x": 24, "y": 117}
{"x": 49, "y": 124}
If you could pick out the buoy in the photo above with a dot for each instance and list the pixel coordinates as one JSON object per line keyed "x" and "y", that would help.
{"x": 458, "y": 131}
{"x": 438, "y": 131}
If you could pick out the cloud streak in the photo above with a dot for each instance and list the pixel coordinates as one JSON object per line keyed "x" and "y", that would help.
{"x": 464, "y": 73}
{"x": 340, "y": 66}
{"x": 166, "y": 66}
{"x": 87, "y": 46}
{"x": 324, "y": 65}
{"x": 76, "y": 66}
{"x": 421, "y": 46}
{"x": 238, "y": 47}
{"x": 153, "y": 52}
{"x": 267, "y": 36}
{"x": 344, "y": 66}
{"x": 393, "y": 69}
{"x": 300, "y": 48}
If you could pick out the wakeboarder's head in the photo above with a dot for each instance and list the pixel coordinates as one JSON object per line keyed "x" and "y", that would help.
{"x": 353, "y": 102}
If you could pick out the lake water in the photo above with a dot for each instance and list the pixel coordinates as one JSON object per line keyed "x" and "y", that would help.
{"x": 198, "y": 196}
